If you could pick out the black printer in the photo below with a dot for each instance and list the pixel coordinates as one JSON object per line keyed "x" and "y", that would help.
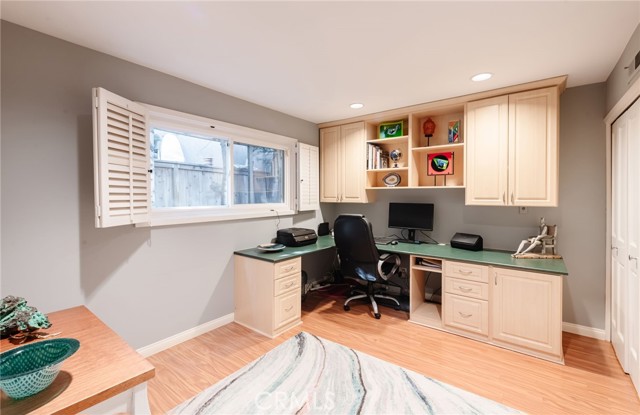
{"x": 296, "y": 236}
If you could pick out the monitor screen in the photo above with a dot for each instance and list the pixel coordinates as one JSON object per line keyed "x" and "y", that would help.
{"x": 412, "y": 216}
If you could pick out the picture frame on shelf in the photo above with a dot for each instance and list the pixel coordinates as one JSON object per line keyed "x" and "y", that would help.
{"x": 440, "y": 164}
{"x": 454, "y": 131}
{"x": 391, "y": 129}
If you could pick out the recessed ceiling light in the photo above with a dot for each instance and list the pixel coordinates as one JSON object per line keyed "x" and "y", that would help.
{"x": 356, "y": 105}
{"x": 481, "y": 77}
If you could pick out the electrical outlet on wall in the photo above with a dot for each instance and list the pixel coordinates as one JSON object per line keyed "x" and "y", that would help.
{"x": 522, "y": 210}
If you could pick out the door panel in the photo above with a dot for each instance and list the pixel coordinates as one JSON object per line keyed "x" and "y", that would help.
{"x": 619, "y": 239}
{"x": 633, "y": 238}
{"x": 487, "y": 151}
{"x": 533, "y": 148}
{"x": 329, "y": 164}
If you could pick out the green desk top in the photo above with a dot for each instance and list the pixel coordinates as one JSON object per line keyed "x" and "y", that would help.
{"x": 486, "y": 257}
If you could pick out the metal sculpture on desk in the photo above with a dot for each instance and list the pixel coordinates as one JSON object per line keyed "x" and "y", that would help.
{"x": 546, "y": 240}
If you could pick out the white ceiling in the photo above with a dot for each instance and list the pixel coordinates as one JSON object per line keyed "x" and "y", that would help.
{"x": 312, "y": 59}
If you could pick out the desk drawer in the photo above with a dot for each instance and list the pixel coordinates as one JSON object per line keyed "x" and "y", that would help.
{"x": 467, "y": 271}
{"x": 466, "y": 314}
{"x": 285, "y": 268}
{"x": 286, "y": 309}
{"x": 465, "y": 288}
{"x": 286, "y": 284}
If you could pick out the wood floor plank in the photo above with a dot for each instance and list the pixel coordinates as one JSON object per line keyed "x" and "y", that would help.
{"x": 590, "y": 382}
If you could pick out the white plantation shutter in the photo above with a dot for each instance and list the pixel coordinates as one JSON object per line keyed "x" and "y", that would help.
{"x": 309, "y": 184}
{"x": 121, "y": 160}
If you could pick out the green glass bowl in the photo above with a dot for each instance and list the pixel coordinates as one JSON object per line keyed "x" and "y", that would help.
{"x": 28, "y": 369}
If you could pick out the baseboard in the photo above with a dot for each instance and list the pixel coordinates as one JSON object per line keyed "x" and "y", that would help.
{"x": 584, "y": 331}
{"x": 164, "y": 344}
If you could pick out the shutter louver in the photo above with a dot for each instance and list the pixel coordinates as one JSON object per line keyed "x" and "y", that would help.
{"x": 121, "y": 160}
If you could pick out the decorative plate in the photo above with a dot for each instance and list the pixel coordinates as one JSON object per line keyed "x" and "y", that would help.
{"x": 391, "y": 179}
{"x": 271, "y": 247}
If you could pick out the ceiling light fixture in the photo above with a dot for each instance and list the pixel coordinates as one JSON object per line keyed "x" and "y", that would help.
{"x": 356, "y": 105}
{"x": 481, "y": 77}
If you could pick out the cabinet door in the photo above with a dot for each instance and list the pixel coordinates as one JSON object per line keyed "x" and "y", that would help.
{"x": 329, "y": 164}
{"x": 353, "y": 162}
{"x": 533, "y": 148}
{"x": 527, "y": 310}
{"x": 487, "y": 151}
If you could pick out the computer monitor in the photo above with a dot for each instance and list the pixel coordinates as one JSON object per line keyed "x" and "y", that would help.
{"x": 412, "y": 217}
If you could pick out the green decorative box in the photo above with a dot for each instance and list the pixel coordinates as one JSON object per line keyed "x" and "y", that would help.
{"x": 391, "y": 129}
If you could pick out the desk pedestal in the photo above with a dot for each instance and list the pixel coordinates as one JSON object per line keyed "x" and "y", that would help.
{"x": 267, "y": 294}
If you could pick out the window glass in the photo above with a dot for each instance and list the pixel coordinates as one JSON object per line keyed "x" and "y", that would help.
{"x": 258, "y": 174}
{"x": 188, "y": 169}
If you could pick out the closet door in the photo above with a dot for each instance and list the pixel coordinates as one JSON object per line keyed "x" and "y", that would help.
{"x": 633, "y": 246}
{"x": 619, "y": 238}
{"x": 625, "y": 243}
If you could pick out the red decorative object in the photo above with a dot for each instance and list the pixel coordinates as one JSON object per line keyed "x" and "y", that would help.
{"x": 429, "y": 127}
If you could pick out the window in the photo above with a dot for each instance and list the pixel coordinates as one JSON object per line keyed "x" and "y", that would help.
{"x": 188, "y": 169}
{"x": 193, "y": 169}
{"x": 257, "y": 174}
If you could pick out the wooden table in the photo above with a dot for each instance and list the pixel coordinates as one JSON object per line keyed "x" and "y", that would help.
{"x": 104, "y": 366}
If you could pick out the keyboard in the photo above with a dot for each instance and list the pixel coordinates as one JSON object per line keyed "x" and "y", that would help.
{"x": 383, "y": 240}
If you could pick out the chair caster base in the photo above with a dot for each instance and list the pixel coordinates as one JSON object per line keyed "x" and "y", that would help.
{"x": 347, "y": 308}
{"x": 377, "y": 316}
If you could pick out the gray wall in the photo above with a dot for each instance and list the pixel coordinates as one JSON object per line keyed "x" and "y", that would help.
{"x": 580, "y": 214}
{"x": 618, "y": 81}
{"x": 147, "y": 284}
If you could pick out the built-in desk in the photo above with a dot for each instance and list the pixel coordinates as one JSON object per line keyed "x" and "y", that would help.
{"x": 104, "y": 367}
{"x": 487, "y": 295}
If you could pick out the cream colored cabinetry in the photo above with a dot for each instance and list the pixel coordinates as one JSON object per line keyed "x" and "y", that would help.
{"x": 466, "y": 298}
{"x": 267, "y": 294}
{"x": 527, "y": 312}
{"x": 512, "y": 149}
{"x": 342, "y": 163}
{"x": 517, "y": 310}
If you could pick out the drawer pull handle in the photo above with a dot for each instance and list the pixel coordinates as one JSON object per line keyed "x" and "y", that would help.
{"x": 465, "y": 289}
{"x": 289, "y": 284}
{"x": 463, "y": 315}
{"x": 289, "y": 268}
{"x": 288, "y": 308}
{"x": 464, "y": 272}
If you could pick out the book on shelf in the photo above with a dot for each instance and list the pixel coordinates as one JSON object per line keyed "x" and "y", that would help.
{"x": 430, "y": 263}
{"x": 377, "y": 158}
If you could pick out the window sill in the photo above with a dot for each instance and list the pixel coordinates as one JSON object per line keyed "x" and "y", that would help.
{"x": 181, "y": 216}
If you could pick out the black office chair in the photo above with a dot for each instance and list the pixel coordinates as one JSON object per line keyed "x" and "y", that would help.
{"x": 360, "y": 258}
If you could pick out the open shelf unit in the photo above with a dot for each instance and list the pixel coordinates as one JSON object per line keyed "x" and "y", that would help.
{"x": 423, "y": 278}
{"x": 412, "y": 168}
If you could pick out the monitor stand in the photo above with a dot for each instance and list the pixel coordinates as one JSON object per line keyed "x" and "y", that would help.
{"x": 412, "y": 238}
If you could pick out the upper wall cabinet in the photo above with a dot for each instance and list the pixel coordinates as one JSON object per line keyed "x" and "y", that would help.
{"x": 342, "y": 163}
{"x": 500, "y": 145}
{"x": 512, "y": 149}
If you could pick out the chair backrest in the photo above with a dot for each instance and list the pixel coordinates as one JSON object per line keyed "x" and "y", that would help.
{"x": 355, "y": 244}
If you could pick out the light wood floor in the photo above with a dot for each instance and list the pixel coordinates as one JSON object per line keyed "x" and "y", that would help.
{"x": 590, "y": 382}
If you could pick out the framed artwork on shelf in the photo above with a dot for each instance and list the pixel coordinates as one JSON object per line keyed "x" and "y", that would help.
{"x": 440, "y": 164}
{"x": 391, "y": 129}
{"x": 454, "y": 131}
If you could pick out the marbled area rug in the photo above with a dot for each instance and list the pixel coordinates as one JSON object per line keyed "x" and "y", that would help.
{"x": 310, "y": 375}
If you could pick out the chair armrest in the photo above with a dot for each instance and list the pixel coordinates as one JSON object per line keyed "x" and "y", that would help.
{"x": 388, "y": 259}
